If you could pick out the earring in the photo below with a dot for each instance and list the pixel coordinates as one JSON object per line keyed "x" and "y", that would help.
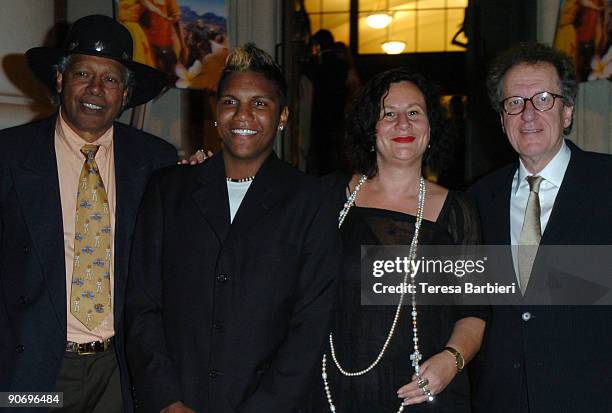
{"x": 428, "y": 145}
{"x": 372, "y": 148}
{"x": 281, "y": 127}
{"x": 216, "y": 124}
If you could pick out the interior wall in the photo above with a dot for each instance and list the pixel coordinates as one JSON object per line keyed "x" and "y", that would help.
{"x": 255, "y": 21}
{"x": 22, "y": 97}
{"x": 592, "y": 128}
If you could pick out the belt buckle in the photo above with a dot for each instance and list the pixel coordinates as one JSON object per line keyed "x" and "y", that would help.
{"x": 94, "y": 347}
{"x": 81, "y": 349}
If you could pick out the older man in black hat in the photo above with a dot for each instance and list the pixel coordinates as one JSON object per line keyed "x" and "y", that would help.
{"x": 70, "y": 186}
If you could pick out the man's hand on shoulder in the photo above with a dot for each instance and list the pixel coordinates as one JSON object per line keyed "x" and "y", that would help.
{"x": 177, "y": 407}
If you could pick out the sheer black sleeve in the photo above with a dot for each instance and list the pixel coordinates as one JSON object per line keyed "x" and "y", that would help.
{"x": 464, "y": 228}
{"x": 463, "y": 220}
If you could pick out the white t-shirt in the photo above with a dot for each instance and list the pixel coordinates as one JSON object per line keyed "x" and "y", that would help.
{"x": 236, "y": 192}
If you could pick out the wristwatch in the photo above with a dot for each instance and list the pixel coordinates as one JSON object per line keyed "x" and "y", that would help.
{"x": 459, "y": 360}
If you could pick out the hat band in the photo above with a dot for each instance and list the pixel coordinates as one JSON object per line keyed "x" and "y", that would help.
{"x": 99, "y": 48}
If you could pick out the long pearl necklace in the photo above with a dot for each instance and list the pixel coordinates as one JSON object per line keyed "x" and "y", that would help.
{"x": 416, "y": 355}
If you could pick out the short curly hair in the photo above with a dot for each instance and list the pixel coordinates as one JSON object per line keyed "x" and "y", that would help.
{"x": 364, "y": 114}
{"x": 250, "y": 58}
{"x": 532, "y": 54}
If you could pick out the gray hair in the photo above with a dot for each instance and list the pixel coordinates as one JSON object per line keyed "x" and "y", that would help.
{"x": 64, "y": 63}
{"x": 532, "y": 54}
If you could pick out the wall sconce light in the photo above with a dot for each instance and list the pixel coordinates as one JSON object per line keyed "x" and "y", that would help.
{"x": 379, "y": 20}
{"x": 393, "y": 46}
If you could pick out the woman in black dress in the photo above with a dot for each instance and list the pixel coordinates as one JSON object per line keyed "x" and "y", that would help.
{"x": 395, "y": 128}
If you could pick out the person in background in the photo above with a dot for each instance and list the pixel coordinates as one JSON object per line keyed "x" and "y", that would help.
{"x": 353, "y": 82}
{"x": 329, "y": 77}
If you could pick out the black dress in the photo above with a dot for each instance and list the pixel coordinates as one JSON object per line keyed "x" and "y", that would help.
{"x": 360, "y": 331}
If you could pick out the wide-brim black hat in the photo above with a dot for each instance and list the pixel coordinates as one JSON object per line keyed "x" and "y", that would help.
{"x": 100, "y": 36}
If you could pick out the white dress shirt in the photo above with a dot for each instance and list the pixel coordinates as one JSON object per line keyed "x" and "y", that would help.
{"x": 552, "y": 176}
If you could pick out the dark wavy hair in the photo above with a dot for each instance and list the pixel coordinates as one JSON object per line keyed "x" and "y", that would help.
{"x": 364, "y": 114}
{"x": 250, "y": 58}
{"x": 532, "y": 54}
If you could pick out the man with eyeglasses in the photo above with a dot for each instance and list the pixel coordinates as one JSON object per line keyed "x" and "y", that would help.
{"x": 543, "y": 358}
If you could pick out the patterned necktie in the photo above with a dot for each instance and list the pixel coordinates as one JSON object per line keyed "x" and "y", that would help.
{"x": 531, "y": 233}
{"x": 90, "y": 295}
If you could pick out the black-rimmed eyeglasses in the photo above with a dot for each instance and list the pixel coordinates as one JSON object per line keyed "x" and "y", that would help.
{"x": 542, "y": 101}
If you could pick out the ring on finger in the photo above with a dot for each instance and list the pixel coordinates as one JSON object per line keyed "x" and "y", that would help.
{"x": 422, "y": 382}
{"x": 428, "y": 393}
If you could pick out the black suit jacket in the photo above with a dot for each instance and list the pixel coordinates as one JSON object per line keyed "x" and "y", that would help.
{"x": 548, "y": 358}
{"x": 230, "y": 318}
{"x": 32, "y": 267}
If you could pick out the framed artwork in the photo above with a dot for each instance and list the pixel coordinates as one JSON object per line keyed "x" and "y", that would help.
{"x": 584, "y": 33}
{"x": 187, "y": 39}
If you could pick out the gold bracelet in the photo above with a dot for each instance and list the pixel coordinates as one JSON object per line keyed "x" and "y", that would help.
{"x": 459, "y": 360}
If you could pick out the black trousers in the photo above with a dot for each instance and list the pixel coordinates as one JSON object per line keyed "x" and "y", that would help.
{"x": 90, "y": 383}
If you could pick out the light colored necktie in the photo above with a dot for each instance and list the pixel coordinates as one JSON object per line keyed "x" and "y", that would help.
{"x": 531, "y": 233}
{"x": 90, "y": 295}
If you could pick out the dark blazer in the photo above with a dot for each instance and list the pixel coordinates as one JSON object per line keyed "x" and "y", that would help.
{"x": 230, "y": 317}
{"x": 548, "y": 358}
{"x": 32, "y": 267}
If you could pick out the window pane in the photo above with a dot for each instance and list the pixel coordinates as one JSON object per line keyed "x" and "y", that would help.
{"x": 402, "y": 28}
{"x": 403, "y": 4}
{"x": 431, "y": 33}
{"x": 369, "y": 39}
{"x": 457, "y": 3}
{"x": 454, "y": 18}
{"x": 315, "y": 23}
{"x": 312, "y": 6}
{"x": 431, "y": 4}
{"x": 371, "y": 5}
{"x": 338, "y": 24}
{"x": 336, "y": 5}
